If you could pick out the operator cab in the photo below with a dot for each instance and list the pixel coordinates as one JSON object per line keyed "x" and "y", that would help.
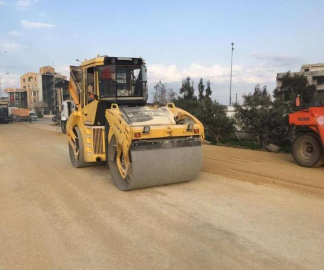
{"x": 104, "y": 80}
{"x": 120, "y": 80}
{"x": 123, "y": 81}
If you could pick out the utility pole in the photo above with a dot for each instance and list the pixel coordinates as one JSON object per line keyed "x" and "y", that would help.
{"x": 0, "y": 83}
{"x": 236, "y": 99}
{"x": 230, "y": 99}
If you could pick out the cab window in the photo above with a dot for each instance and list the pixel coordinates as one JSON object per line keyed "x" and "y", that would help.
{"x": 90, "y": 87}
{"x": 107, "y": 81}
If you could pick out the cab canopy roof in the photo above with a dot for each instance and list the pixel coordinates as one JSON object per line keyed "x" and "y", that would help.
{"x": 111, "y": 60}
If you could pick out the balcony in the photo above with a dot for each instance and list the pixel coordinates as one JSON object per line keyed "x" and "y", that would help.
{"x": 34, "y": 88}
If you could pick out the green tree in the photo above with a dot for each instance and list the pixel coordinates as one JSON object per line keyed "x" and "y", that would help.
{"x": 208, "y": 91}
{"x": 213, "y": 116}
{"x": 201, "y": 88}
{"x": 163, "y": 94}
{"x": 160, "y": 93}
{"x": 189, "y": 105}
{"x": 171, "y": 95}
{"x": 187, "y": 89}
{"x": 293, "y": 86}
{"x": 264, "y": 119}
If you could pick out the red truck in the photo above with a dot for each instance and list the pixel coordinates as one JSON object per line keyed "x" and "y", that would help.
{"x": 20, "y": 114}
{"x": 308, "y": 147}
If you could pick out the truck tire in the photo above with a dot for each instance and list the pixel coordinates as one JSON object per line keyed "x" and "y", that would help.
{"x": 308, "y": 151}
{"x": 63, "y": 127}
{"x": 79, "y": 161}
{"x": 107, "y": 127}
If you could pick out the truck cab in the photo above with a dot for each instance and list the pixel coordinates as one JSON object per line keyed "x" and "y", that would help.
{"x": 67, "y": 108}
{"x": 4, "y": 112}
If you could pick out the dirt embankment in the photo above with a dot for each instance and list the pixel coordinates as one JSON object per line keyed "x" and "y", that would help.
{"x": 262, "y": 168}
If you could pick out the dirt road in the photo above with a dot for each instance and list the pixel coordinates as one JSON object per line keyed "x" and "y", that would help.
{"x": 53, "y": 216}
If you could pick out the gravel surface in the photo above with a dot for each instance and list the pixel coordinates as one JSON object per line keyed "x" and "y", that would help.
{"x": 53, "y": 216}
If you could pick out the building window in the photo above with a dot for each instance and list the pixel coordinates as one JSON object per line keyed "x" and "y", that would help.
{"x": 30, "y": 79}
{"x": 306, "y": 69}
{"x": 33, "y": 93}
{"x": 24, "y": 80}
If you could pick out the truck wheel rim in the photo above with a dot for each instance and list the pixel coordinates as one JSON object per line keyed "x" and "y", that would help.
{"x": 122, "y": 163}
{"x": 77, "y": 147}
{"x": 306, "y": 150}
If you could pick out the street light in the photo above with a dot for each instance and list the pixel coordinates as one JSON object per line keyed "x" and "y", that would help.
{"x": 230, "y": 100}
{"x": 0, "y": 83}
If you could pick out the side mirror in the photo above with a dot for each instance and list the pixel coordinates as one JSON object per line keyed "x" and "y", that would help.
{"x": 144, "y": 74}
{"x": 298, "y": 101}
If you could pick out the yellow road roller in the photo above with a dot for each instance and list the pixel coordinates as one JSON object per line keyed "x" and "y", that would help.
{"x": 142, "y": 145}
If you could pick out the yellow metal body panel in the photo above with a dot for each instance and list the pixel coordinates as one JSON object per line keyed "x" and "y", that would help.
{"x": 73, "y": 92}
{"x": 92, "y": 136}
{"x": 97, "y": 61}
{"x": 89, "y": 113}
{"x": 124, "y": 132}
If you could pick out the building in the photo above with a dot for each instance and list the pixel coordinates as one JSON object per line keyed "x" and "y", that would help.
{"x": 49, "y": 80}
{"x": 313, "y": 72}
{"x": 40, "y": 88}
{"x": 31, "y": 82}
{"x": 17, "y": 97}
{"x": 47, "y": 70}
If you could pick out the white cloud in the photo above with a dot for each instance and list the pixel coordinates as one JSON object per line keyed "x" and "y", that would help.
{"x": 10, "y": 80}
{"x": 64, "y": 69}
{"x": 6, "y": 45}
{"x": 24, "y": 4}
{"x": 2, "y": 2}
{"x": 216, "y": 73}
{"x": 15, "y": 33}
{"x": 27, "y": 24}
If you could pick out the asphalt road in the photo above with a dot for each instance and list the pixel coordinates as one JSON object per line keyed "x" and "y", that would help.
{"x": 53, "y": 216}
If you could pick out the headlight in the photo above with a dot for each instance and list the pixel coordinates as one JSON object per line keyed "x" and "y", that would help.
{"x": 146, "y": 129}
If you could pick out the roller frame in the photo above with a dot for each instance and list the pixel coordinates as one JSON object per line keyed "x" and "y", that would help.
{"x": 163, "y": 140}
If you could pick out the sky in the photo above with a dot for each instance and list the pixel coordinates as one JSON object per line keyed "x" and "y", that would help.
{"x": 176, "y": 38}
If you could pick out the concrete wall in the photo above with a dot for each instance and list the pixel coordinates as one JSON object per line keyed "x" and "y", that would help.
{"x": 40, "y": 87}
